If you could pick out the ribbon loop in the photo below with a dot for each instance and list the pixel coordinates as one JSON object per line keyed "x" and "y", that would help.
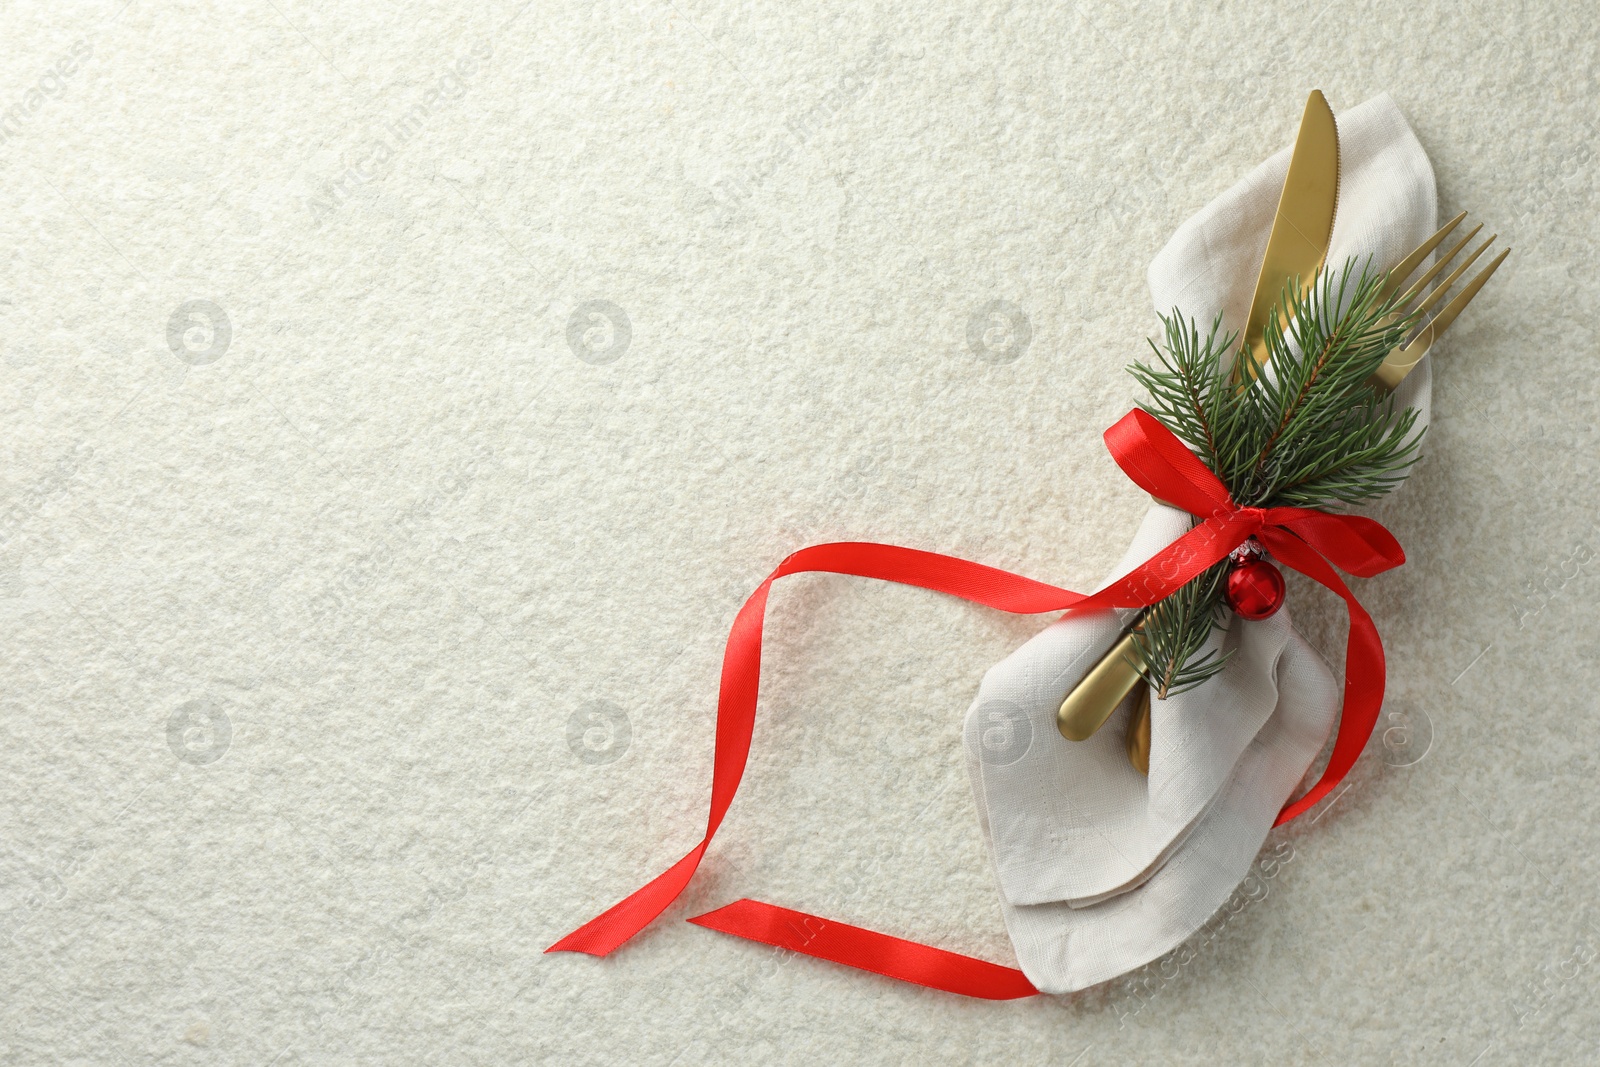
{"x": 1159, "y": 464}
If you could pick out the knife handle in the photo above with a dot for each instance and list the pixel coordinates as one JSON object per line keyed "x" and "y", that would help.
{"x": 1090, "y": 703}
{"x": 1138, "y": 739}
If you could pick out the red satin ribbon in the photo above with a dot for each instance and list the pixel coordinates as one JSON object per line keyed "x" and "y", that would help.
{"x": 1311, "y": 542}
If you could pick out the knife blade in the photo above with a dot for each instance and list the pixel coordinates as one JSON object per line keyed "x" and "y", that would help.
{"x": 1302, "y": 225}
{"x": 1296, "y": 247}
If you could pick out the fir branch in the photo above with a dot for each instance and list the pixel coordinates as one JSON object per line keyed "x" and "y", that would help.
{"x": 1309, "y": 431}
{"x": 1174, "y": 631}
{"x": 1324, "y": 344}
{"x": 1184, "y": 389}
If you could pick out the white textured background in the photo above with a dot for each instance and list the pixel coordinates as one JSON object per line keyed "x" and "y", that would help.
{"x": 354, "y": 654}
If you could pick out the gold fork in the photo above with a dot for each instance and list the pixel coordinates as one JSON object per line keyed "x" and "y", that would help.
{"x": 1082, "y": 713}
{"x": 1406, "y": 356}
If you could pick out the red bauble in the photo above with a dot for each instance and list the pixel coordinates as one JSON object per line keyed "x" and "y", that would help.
{"x": 1255, "y": 589}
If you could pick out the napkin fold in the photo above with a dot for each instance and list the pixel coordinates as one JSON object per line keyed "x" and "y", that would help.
{"x": 1102, "y": 869}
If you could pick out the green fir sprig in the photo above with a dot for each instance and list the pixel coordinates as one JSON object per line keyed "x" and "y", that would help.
{"x": 1310, "y": 430}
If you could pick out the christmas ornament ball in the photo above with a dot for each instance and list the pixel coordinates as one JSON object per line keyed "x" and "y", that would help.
{"x": 1255, "y": 589}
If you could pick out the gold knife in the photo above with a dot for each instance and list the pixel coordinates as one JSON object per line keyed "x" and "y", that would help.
{"x": 1296, "y": 247}
{"x": 1303, "y": 224}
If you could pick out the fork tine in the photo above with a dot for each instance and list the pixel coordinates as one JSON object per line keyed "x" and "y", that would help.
{"x": 1402, "y": 360}
{"x": 1444, "y": 287}
{"x": 1441, "y": 322}
{"x": 1440, "y": 264}
{"x": 1403, "y": 269}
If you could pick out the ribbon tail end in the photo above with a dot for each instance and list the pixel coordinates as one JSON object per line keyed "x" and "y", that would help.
{"x": 587, "y": 941}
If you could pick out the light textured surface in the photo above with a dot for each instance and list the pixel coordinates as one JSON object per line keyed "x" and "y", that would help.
{"x": 346, "y": 671}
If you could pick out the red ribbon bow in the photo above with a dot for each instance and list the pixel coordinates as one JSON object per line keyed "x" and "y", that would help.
{"x": 1311, "y": 542}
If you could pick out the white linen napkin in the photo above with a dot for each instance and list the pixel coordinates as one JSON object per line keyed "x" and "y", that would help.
{"x": 1102, "y": 869}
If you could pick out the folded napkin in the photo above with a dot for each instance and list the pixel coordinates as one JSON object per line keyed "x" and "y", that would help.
{"x": 1102, "y": 869}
